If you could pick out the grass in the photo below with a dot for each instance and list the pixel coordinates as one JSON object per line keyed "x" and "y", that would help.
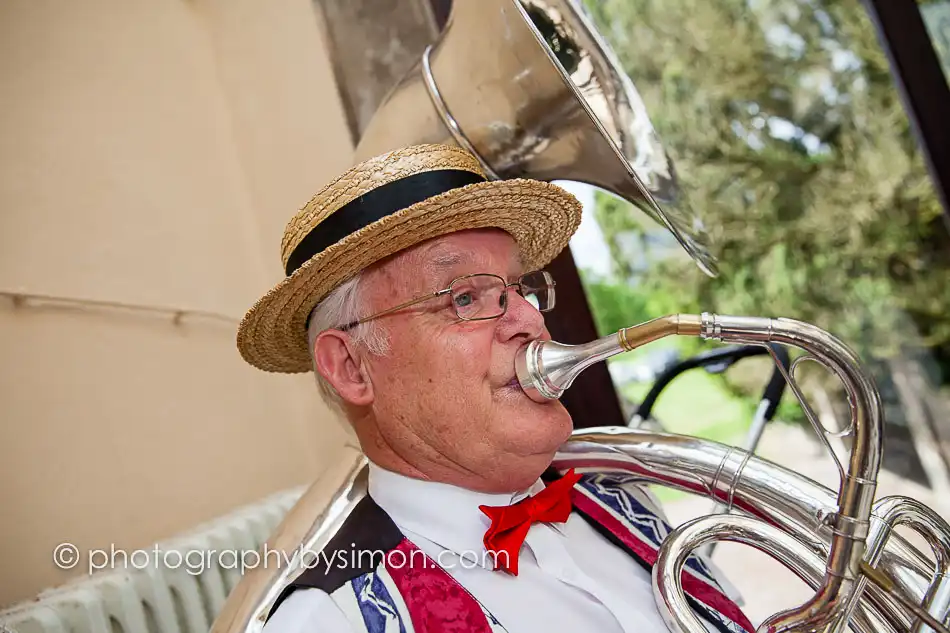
{"x": 696, "y": 404}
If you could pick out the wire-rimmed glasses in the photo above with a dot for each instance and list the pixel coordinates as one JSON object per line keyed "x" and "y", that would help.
{"x": 483, "y": 296}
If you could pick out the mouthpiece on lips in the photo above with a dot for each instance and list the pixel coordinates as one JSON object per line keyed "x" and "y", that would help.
{"x": 545, "y": 369}
{"x": 531, "y": 379}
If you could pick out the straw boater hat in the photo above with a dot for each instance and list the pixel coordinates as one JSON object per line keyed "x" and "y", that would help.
{"x": 380, "y": 207}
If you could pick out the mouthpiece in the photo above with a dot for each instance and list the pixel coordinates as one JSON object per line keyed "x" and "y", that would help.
{"x": 545, "y": 369}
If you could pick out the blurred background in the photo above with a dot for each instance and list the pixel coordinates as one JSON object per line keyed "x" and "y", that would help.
{"x": 785, "y": 124}
{"x": 153, "y": 151}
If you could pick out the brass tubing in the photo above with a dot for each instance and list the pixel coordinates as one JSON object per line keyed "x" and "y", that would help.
{"x": 639, "y": 335}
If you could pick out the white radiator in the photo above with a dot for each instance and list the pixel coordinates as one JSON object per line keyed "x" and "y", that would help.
{"x": 156, "y": 599}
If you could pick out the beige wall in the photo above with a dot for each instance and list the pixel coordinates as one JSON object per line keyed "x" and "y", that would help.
{"x": 152, "y": 152}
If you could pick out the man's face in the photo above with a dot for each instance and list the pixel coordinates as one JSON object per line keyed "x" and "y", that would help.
{"x": 447, "y": 389}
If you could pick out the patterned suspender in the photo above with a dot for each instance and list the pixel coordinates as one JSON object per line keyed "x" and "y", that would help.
{"x": 611, "y": 506}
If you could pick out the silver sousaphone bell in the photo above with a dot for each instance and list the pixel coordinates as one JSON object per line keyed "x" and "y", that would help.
{"x": 532, "y": 90}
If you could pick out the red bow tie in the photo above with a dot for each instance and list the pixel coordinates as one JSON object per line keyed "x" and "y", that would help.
{"x": 510, "y": 524}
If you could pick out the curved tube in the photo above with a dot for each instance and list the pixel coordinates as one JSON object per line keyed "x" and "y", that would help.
{"x": 755, "y": 486}
{"x": 307, "y": 527}
{"x": 893, "y": 511}
{"x": 802, "y": 560}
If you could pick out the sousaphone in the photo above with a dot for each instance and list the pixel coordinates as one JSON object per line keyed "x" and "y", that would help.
{"x": 532, "y": 90}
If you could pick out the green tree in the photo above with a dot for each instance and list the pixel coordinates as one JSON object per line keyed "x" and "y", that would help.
{"x": 614, "y": 305}
{"x": 789, "y": 137}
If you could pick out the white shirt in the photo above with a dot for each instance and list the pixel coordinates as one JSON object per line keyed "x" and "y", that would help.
{"x": 570, "y": 578}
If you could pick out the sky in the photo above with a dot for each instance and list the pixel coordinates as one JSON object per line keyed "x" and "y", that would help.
{"x": 587, "y": 246}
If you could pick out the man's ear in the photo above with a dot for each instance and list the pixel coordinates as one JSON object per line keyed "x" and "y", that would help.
{"x": 339, "y": 363}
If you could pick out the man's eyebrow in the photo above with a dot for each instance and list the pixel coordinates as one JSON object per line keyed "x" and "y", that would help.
{"x": 447, "y": 260}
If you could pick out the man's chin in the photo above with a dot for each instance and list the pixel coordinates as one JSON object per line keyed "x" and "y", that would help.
{"x": 542, "y": 431}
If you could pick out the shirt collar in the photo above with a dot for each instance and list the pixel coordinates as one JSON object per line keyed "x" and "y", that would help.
{"x": 446, "y": 514}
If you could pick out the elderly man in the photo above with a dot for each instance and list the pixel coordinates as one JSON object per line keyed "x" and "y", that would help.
{"x": 412, "y": 282}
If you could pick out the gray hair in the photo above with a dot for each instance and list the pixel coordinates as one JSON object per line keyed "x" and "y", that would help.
{"x": 343, "y": 305}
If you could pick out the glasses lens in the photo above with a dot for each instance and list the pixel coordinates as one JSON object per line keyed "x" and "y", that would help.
{"x": 479, "y": 297}
{"x": 538, "y": 289}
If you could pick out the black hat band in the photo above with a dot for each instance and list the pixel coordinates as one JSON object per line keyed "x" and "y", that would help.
{"x": 376, "y": 205}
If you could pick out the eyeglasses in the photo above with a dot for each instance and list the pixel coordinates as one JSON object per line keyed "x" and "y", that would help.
{"x": 483, "y": 296}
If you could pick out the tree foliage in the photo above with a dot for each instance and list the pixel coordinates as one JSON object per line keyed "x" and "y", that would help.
{"x": 790, "y": 139}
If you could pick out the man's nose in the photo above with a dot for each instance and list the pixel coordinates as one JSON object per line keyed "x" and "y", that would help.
{"x": 521, "y": 320}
